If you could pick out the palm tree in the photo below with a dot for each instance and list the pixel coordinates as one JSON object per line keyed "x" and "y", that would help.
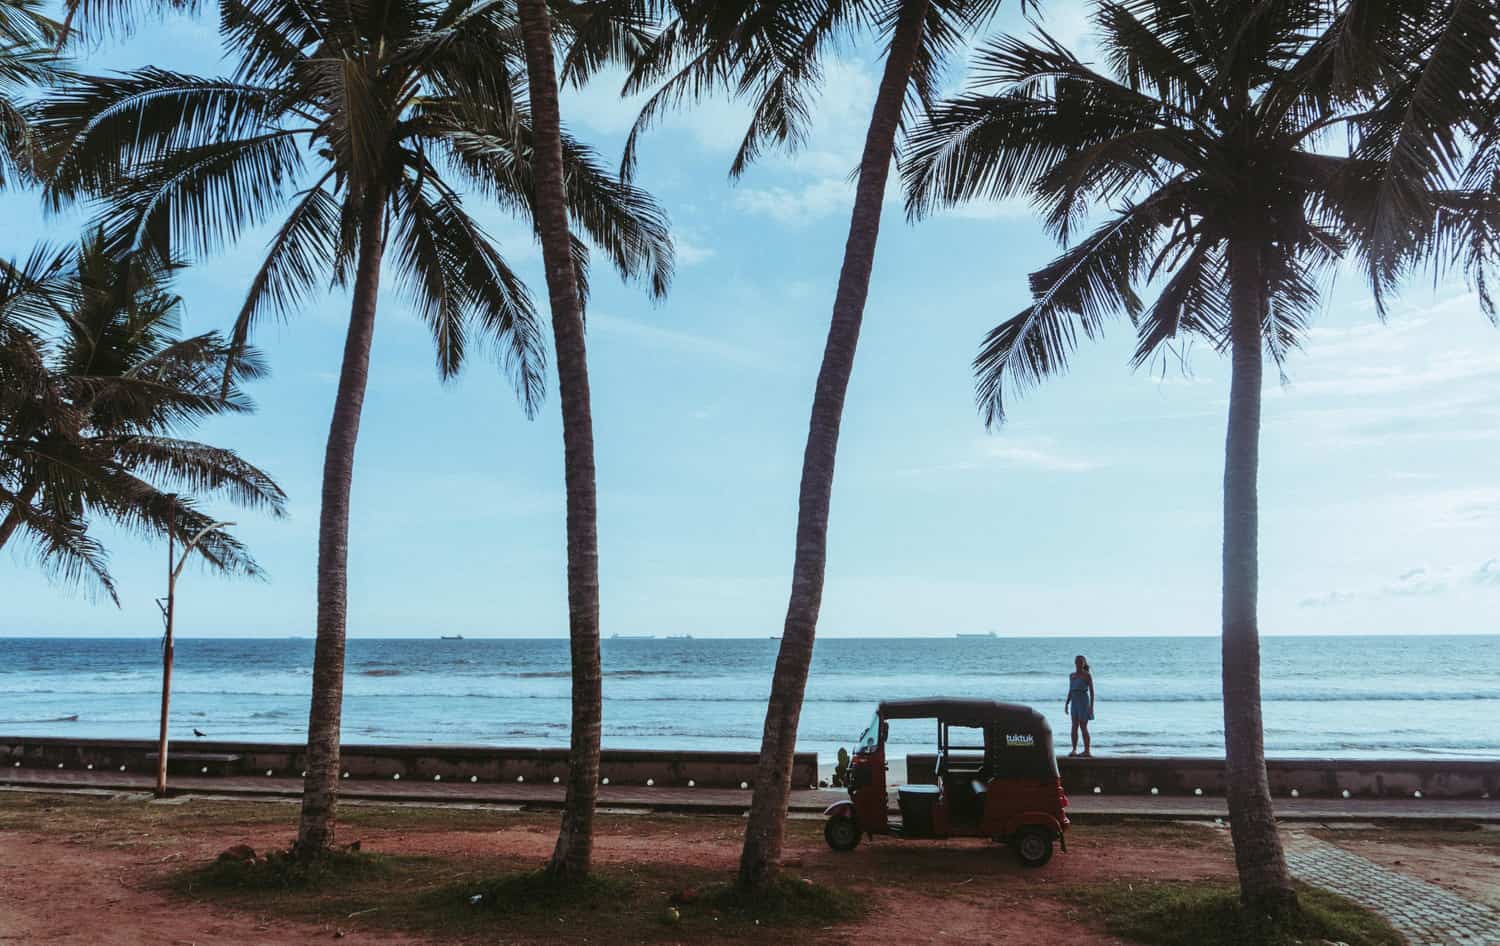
{"x": 27, "y": 60}
{"x": 772, "y": 53}
{"x": 575, "y": 839}
{"x": 594, "y": 35}
{"x": 359, "y": 123}
{"x": 1208, "y": 148}
{"x": 96, "y": 382}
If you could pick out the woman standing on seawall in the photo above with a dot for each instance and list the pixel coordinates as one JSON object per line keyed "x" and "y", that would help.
{"x": 1081, "y": 702}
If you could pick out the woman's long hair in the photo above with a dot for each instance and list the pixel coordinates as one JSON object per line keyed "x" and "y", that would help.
{"x": 1081, "y": 663}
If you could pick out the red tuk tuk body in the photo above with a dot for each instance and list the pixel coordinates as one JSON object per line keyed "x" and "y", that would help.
{"x": 996, "y": 777}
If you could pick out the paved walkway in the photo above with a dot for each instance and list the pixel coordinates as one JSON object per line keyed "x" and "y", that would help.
{"x": 1426, "y": 914}
{"x": 734, "y": 801}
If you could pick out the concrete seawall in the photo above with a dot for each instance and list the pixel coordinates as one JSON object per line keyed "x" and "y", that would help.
{"x": 417, "y": 762}
{"x": 1113, "y": 776}
{"x": 1311, "y": 778}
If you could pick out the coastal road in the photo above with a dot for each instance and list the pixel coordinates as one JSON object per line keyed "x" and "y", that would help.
{"x": 1083, "y": 808}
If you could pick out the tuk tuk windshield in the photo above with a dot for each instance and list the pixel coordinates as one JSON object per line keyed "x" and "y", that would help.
{"x": 869, "y": 740}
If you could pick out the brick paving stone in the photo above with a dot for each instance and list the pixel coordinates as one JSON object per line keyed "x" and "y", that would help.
{"x": 1426, "y": 914}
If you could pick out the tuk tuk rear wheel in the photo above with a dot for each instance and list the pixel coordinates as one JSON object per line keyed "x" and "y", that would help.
{"x": 841, "y": 833}
{"x": 1034, "y": 846}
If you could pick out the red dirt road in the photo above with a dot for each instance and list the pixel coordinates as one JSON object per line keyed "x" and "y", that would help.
{"x": 89, "y": 879}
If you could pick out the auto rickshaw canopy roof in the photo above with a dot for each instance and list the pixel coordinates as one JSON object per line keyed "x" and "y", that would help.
{"x": 965, "y": 712}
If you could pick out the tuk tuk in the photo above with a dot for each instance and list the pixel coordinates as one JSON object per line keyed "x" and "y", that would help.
{"x": 995, "y": 777}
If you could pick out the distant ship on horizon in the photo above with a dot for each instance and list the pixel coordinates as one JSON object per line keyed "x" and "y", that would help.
{"x": 985, "y": 634}
{"x": 679, "y": 637}
{"x": 452, "y": 637}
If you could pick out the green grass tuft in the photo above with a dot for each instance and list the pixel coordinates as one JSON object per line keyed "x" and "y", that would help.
{"x": 279, "y": 870}
{"x": 788, "y": 901}
{"x": 1210, "y": 914}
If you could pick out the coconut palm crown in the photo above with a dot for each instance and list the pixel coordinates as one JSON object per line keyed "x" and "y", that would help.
{"x": 1199, "y": 123}
{"x": 398, "y": 103}
{"x": 98, "y": 386}
{"x": 1205, "y": 166}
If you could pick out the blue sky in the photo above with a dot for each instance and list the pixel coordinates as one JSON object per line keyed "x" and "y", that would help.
{"x": 1094, "y": 511}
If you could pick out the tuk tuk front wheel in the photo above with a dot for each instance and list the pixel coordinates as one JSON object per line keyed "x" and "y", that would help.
{"x": 1034, "y": 846}
{"x": 841, "y": 833}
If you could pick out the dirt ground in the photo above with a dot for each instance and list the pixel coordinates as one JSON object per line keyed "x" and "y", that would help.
{"x": 92, "y": 871}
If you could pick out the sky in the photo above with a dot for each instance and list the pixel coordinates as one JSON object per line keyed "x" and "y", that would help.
{"x": 1095, "y": 509}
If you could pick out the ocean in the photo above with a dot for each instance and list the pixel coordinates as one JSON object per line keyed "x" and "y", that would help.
{"x": 1430, "y": 697}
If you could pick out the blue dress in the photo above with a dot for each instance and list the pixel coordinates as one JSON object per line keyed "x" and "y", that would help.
{"x": 1080, "y": 702}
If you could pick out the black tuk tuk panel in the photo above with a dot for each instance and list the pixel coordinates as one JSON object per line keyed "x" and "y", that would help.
{"x": 1018, "y": 739}
{"x": 1021, "y": 752}
{"x": 960, "y": 711}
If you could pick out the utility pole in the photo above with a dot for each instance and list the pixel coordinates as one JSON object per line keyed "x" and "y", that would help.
{"x": 174, "y": 568}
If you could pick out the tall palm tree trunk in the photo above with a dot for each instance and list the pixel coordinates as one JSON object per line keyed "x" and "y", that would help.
{"x": 1264, "y": 883}
{"x": 575, "y": 839}
{"x": 761, "y": 855}
{"x": 13, "y": 518}
{"x": 320, "y": 788}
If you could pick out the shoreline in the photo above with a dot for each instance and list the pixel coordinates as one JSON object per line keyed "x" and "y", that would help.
{"x": 85, "y": 731}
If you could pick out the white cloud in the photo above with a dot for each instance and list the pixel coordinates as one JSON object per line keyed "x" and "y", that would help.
{"x": 1009, "y": 452}
{"x": 1038, "y": 454}
{"x": 1430, "y": 375}
{"x": 1364, "y": 380}
{"x": 1415, "y": 582}
{"x": 1011, "y": 208}
{"x": 799, "y": 205}
{"x": 653, "y": 336}
{"x": 690, "y": 252}
{"x": 715, "y": 123}
{"x": 1457, "y": 507}
{"x": 1327, "y": 599}
{"x": 1420, "y": 582}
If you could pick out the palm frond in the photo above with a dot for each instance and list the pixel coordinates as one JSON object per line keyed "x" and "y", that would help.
{"x": 1194, "y": 302}
{"x": 97, "y": 129}
{"x": 1419, "y": 136}
{"x": 198, "y": 200}
{"x": 458, "y": 279}
{"x": 119, "y": 17}
{"x": 598, "y": 34}
{"x": 176, "y": 465}
{"x": 1072, "y": 297}
{"x": 67, "y": 554}
{"x": 303, "y": 252}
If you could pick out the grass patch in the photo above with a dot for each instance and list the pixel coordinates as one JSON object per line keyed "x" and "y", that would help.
{"x": 534, "y": 892}
{"x": 279, "y": 870}
{"x": 469, "y": 899}
{"x": 1209, "y": 914}
{"x": 788, "y": 901}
